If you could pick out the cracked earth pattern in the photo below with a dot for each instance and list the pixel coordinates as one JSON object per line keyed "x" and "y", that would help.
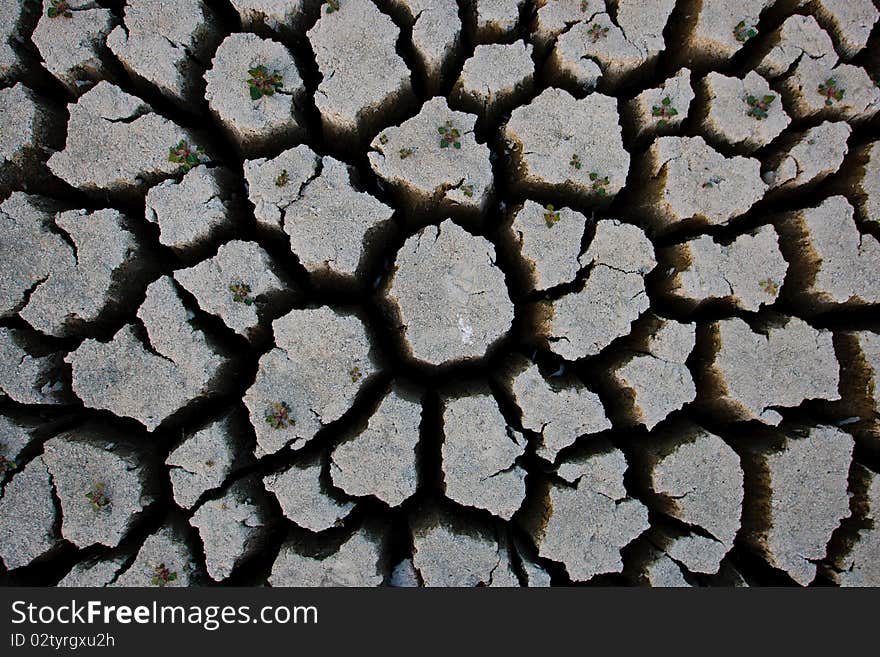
{"x": 448, "y": 293}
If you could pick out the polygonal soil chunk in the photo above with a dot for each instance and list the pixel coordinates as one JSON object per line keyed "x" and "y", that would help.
{"x": 447, "y": 552}
{"x": 695, "y": 477}
{"x": 165, "y": 559}
{"x": 744, "y": 113}
{"x": 404, "y": 575}
{"x": 166, "y": 44}
{"x": 839, "y": 264}
{"x": 533, "y": 574}
{"x": 553, "y": 17}
{"x": 583, "y": 323}
{"x": 747, "y": 273}
{"x": 494, "y": 78}
{"x": 204, "y": 459}
{"x": 27, "y": 516}
{"x": 796, "y": 38}
{"x": 381, "y": 460}
{"x": 479, "y": 456}
{"x": 29, "y": 129}
{"x": 358, "y": 561}
{"x": 850, "y": 21}
{"x": 363, "y": 76}
{"x": 436, "y": 35}
{"x": 493, "y": 19}
{"x": 27, "y": 378}
{"x": 331, "y": 221}
{"x": 549, "y": 242}
{"x": 103, "y": 486}
{"x": 232, "y": 527}
{"x": 274, "y": 185}
{"x": 148, "y": 377}
{"x": 29, "y": 249}
{"x": 560, "y": 413}
{"x": 859, "y": 566}
{"x": 277, "y": 15}
{"x": 722, "y": 28}
{"x": 695, "y": 553}
{"x": 136, "y": 146}
{"x": 434, "y": 159}
{"x": 94, "y": 572}
{"x": 233, "y": 285}
{"x": 320, "y": 361}
{"x": 71, "y": 46}
{"x": 810, "y": 156}
{"x": 691, "y": 181}
{"x": 800, "y": 487}
{"x": 560, "y": 143}
{"x": 662, "y": 109}
{"x": 253, "y": 88}
{"x": 89, "y": 277}
{"x": 193, "y": 210}
{"x": 303, "y": 499}
{"x": 612, "y": 50}
{"x": 450, "y": 297}
{"x": 585, "y": 525}
{"x": 660, "y": 359}
{"x": 751, "y": 373}
{"x": 843, "y": 92}
{"x": 868, "y": 186}
{"x": 652, "y": 567}
{"x": 14, "y": 437}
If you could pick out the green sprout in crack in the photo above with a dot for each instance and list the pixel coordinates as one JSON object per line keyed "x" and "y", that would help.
{"x": 98, "y": 498}
{"x": 743, "y": 32}
{"x": 664, "y": 111}
{"x": 551, "y": 216}
{"x": 597, "y": 32}
{"x": 769, "y": 286}
{"x": 468, "y": 190}
{"x": 262, "y": 83}
{"x": 355, "y": 374}
{"x": 59, "y": 8}
{"x": 241, "y": 293}
{"x": 599, "y": 183}
{"x": 6, "y": 464}
{"x": 185, "y": 155}
{"x": 449, "y": 136}
{"x": 278, "y": 416}
{"x": 831, "y": 92}
{"x": 713, "y": 182}
{"x": 405, "y": 153}
{"x": 759, "y": 108}
{"x": 162, "y": 575}
{"x": 575, "y": 162}
{"x": 383, "y": 139}
{"x": 584, "y": 6}
{"x": 332, "y": 5}
{"x": 282, "y": 179}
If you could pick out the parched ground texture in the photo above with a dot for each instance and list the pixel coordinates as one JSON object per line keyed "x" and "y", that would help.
{"x": 449, "y": 293}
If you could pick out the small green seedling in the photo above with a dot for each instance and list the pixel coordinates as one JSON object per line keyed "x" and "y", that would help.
{"x": 743, "y": 32}
{"x": 355, "y": 374}
{"x": 551, "y": 216}
{"x": 584, "y": 6}
{"x": 449, "y": 136}
{"x": 664, "y": 111}
{"x": 332, "y": 5}
{"x": 468, "y": 190}
{"x": 599, "y": 183}
{"x": 713, "y": 181}
{"x": 241, "y": 293}
{"x": 58, "y": 8}
{"x": 575, "y": 162}
{"x": 262, "y": 83}
{"x": 185, "y": 155}
{"x": 282, "y": 179}
{"x": 98, "y": 498}
{"x": 759, "y": 108}
{"x": 770, "y": 286}
{"x": 383, "y": 139}
{"x": 278, "y": 416}
{"x": 162, "y": 575}
{"x": 405, "y": 153}
{"x": 597, "y": 32}
{"x": 831, "y": 91}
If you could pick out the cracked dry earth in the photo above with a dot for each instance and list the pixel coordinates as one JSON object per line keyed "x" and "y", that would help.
{"x": 448, "y": 293}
